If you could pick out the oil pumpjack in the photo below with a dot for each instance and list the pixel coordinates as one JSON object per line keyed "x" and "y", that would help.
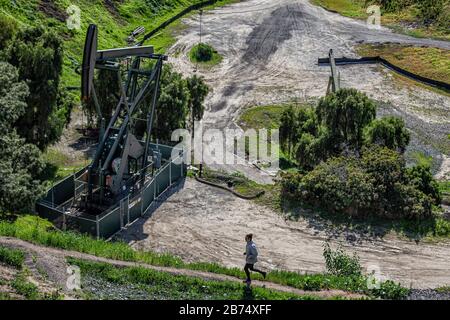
{"x": 122, "y": 160}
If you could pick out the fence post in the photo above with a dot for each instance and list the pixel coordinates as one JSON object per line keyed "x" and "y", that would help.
{"x": 121, "y": 213}
{"x": 64, "y": 227}
{"x": 97, "y": 224}
{"x": 142, "y": 202}
{"x": 170, "y": 173}
{"x": 128, "y": 209}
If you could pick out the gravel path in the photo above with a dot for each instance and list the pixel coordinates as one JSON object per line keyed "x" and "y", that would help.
{"x": 270, "y": 50}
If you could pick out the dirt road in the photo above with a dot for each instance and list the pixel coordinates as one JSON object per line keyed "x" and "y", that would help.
{"x": 270, "y": 50}
{"x": 202, "y": 223}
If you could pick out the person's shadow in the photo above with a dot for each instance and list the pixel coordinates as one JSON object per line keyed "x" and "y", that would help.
{"x": 247, "y": 293}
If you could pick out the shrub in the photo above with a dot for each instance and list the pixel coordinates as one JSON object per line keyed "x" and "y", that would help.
{"x": 430, "y": 10}
{"x": 377, "y": 184}
{"x": 389, "y": 132}
{"x": 12, "y": 257}
{"x": 7, "y": 30}
{"x": 391, "y": 290}
{"x": 202, "y": 53}
{"x": 25, "y": 288}
{"x": 422, "y": 178}
{"x": 338, "y": 185}
{"x": 339, "y": 263}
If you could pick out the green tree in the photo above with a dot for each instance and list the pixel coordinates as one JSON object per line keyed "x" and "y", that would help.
{"x": 422, "y": 178}
{"x": 38, "y": 55}
{"x": 346, "y": 113}
{"x": 20, "y": 163}
{"x": 389, "y": 132}
{"x": 287, "y": 130}
{"x": 8, "y": 28}
{"x": 173, "y": 104}
{"x": 198, "y": 90}
{"x": 106, "y": 85}
{"x": 430, "y": 10}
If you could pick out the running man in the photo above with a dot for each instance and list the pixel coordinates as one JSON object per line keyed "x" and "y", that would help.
{"x": 251, "y": 254}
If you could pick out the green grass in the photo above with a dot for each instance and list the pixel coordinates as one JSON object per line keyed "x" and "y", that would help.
{"x": 445, "y": 289}
{"x": 25, "y": 288}
{"x": 205, "y": 55}
{"x": 396, "y": 20}
{"x": 444, "y": 187}
{"x": 12, "y": 257}
{"x": 162, "y": 285}
{"x": 348, "y": 8}
{"x": 5, "y": 296}
{"x": 39, "y": 231}
{"x": 422, "y": 159}
{"x": 262, "y": 117}
{"x": 433, "y": 63}
{"x": 59, "y": 166}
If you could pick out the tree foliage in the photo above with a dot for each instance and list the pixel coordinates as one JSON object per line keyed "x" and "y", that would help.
{"x": 346, "y": 113}
{"x": 179, "y": 100}
{"x": 335, "y": 127}
{"x": 20, "y": 163}
{"x": 198, "y": 90}
{"x": 38, "y": 55}
{"x": 106, "y": 85}
{"x": 389, "y": 132}
{"x": 355, "y": 165}
{"x": 8, "y": 28}
{"x": 375, "y": 184}
{"x": 173, "y": 104}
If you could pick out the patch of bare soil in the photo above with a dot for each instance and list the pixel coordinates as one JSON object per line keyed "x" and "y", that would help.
{"x": 111, "y": 6}
{"x": 75, "y": 145}
{"x": 51, "y": 9}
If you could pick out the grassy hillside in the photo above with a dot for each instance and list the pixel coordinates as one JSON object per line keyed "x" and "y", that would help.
{"x": 116, "y": 20}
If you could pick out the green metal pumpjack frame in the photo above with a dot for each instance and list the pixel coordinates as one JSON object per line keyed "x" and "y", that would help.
{"x": 139, "y": 84}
